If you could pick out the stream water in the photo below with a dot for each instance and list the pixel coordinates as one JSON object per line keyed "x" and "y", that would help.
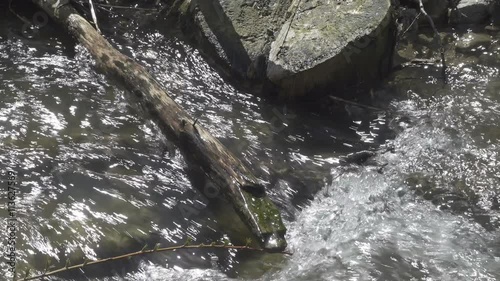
{"x": 96, "y": 177}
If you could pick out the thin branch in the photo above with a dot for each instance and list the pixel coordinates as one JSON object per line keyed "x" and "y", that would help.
{"x": 411, "y": 24}
{"x": 421, "y": 62}
{"x": 436, "y": 34}
{"x": 94, "y": 17}
{"x": 291, "y": 21}
{"x": 143, "y": 251}
{"x": 357, "y": 104}
{"x": 125, "y": 7}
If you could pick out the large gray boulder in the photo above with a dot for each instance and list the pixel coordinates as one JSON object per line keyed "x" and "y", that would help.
{"x": 300, "y": 46}
{"x": 330, "y": 44}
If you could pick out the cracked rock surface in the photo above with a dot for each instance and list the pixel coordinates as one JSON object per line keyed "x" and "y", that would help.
{"x": 300, "y": 46}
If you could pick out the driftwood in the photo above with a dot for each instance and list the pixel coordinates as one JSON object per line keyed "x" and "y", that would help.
{"x": 200, "y": 148}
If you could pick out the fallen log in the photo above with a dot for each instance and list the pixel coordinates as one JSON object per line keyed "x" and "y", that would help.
{"x": 200, "y": 148}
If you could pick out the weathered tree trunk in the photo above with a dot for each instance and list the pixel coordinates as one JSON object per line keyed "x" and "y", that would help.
{"x": 235, "y": 181}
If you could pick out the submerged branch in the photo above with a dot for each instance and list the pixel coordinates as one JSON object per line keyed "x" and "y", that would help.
{"x": 126, "y": 7}
{"x": 356, "y": 104}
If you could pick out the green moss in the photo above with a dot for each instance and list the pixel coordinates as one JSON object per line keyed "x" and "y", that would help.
{"x": 184, "y": 7}
{"x": 269, "y": 220}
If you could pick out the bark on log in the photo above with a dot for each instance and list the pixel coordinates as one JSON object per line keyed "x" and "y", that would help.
{"x": 200, "y": 148}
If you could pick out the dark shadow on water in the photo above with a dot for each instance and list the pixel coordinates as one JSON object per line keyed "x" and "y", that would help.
{"x": 226, "y": 35}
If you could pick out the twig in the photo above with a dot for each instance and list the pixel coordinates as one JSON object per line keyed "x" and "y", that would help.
{"x": 421, "y": 62}
{"x": 94, "y": 18}
{"x": 291, "y": 20}
{"x": 411, "y": 24}
{"x": 355, "y": 103}
{"x": 143, "y": 251}
{"x": 125, "y": 7}
{"x": 436, "y": 34}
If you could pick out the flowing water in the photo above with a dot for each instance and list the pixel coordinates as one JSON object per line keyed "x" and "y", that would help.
{"x": 97, "y": 178}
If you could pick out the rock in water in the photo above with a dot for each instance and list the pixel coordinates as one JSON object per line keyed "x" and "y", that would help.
{"x": 358, "y": 158}
{"x": 236, "y": 33}
{"x": 331, "y": 43}
{"x": 301, "y": 46}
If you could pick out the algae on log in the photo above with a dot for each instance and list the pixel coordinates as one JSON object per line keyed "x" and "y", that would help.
{"x": 201, "y": 149}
